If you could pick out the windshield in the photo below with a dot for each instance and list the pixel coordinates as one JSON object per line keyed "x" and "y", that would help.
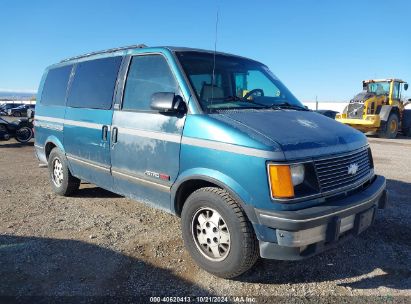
{"x": 238, "y": 83}
{"x": 379, "y": 88}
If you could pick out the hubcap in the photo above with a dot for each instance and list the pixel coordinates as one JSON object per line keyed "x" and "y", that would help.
{"x": 57, "y": 174}
{"x": 211, "y": 234}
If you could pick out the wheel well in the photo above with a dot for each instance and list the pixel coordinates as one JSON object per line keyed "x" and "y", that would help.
{"x": 185, "y": 189}
{"x": 48, "y": 148}
{"x": 395, "y": 110}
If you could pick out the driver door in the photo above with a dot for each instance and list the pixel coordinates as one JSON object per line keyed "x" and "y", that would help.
{"x": 145, "y": 150}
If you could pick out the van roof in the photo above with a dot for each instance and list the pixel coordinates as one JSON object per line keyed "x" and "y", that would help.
{"x": 141, "y": 46}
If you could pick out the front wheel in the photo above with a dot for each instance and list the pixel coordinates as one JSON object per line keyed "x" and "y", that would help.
{"x": 391, "y": 129}
{"x": 24, "y": 134}
{"x": 217, "y": 233}
{"x": 16, "y": 114}
{"x": 62, "y": 182}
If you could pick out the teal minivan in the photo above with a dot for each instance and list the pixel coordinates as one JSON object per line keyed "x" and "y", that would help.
{"x": 214, "y": 138}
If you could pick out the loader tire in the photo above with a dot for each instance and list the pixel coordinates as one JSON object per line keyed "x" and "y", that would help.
{"x": 391, "y": 129}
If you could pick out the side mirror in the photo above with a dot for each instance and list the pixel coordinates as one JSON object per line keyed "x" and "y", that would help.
{"x": 167, "y": 102}
{"x": 405, "y": 86}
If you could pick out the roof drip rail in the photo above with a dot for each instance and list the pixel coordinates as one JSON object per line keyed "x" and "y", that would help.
{"x": 136, "y": 46}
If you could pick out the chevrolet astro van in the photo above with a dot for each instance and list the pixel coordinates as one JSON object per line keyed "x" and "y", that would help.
{"x": 215, "y": 139}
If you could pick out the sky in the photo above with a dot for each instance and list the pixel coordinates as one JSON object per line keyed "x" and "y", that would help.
{"x": 317, "y": 48}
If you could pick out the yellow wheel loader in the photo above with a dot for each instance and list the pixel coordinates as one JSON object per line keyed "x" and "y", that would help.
{"x": 379, "y": 108}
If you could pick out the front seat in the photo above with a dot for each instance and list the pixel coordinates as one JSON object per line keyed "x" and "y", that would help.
{"x": 209, "y": 91}
{"x": 379, "y": 90}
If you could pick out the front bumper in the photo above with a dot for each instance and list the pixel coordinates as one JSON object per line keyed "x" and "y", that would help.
{"x": 303, "y": 233}
{"x": 367, "y": 122}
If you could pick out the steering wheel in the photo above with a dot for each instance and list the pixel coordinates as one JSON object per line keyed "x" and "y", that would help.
{"x": 253, "y": 92}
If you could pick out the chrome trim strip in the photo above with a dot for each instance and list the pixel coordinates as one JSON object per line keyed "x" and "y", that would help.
{"x": 40, "y": 120}
{"x": 221, "y": 146}
{"x": 90, "y": 125}
{"x": 134, "y": 178}
{"x": 38, "y": 146}
{"x": 51, "y": 119}
{"x": 48, "y": 125}
{"x": 88, "y": 163}
{"x": 170, "y": 137}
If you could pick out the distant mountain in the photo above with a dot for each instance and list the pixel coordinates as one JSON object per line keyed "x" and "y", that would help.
{"x": 8, "y": 95}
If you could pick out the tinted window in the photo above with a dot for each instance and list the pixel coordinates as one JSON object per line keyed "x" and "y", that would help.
{"x": 147, "y": 75}
{"x": 93, "y": 84}
{"x": 55, "y": 86}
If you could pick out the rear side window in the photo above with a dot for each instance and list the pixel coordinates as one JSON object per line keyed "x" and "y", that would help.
{"x": 93, "y": 84}
{"x": 55, "y": 86}
{"x": 147, "y": 75}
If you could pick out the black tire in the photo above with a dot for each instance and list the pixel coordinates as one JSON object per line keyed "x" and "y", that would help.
{"x": 16, "y": 114}
{"x": 24, "y": 135}
{"x": 4, "y": 134}
{"x": 243, "y": 247}
{"x": 67, "y": 184}
{"x": 406, "y": 132}
{"x": 390, "y": 131}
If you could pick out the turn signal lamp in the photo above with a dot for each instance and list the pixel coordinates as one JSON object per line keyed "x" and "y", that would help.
{"x": 281, "y": 183}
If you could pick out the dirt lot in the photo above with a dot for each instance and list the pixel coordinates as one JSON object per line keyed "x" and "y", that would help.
{"x": 100, "y": 244}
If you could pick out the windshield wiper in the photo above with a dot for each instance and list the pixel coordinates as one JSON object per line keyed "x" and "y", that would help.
{"x": 287, "y": 105}
{"x": 236, "y": 98}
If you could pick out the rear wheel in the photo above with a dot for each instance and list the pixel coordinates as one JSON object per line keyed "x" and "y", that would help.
{"x": 391, "y": 128}
{"x": 218, "y": 234}
{"x": 16, "y": 114}
{"x": 24, "y": 134}
{"x": 62, "y": 182}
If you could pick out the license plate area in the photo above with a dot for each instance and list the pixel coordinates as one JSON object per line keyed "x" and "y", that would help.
{"x": 364, "y": 220}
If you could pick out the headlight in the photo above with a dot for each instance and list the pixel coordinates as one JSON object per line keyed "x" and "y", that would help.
{"x": 297, "y": 174}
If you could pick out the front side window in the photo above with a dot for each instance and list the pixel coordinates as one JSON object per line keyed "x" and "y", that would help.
{"x": 231, "y": 82}
{"x": 94, "y": 83}
{"x": 148, "y": 74}
{"x": 55, "y": 86}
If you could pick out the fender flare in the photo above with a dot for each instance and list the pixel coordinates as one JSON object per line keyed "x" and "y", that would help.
{"x": 219, "y": 179}
{"x": 55, "y": 141}
{"x": 385, "y": 112}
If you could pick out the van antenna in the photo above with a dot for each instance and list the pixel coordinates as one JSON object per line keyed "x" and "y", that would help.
{"x": 215, "y": 50}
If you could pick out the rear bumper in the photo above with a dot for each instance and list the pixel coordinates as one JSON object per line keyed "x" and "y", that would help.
{"x": 303, "y": 233}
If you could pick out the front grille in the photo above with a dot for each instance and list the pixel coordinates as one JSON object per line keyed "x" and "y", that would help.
{"x": 333, "y": 173}
{"x": 355, "y": 110}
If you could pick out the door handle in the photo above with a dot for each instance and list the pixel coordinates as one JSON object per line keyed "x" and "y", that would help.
{"x": 104, "y": 133}
{"x": 114, "y": 133}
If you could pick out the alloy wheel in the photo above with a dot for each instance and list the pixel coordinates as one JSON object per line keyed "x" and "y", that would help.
{"x": 211, "y": 234}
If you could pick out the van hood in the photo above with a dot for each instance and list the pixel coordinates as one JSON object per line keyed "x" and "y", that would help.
{"x": 300, "y": 134}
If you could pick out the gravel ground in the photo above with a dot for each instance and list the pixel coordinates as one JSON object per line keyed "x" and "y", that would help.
{"x": 100, "y": 244}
